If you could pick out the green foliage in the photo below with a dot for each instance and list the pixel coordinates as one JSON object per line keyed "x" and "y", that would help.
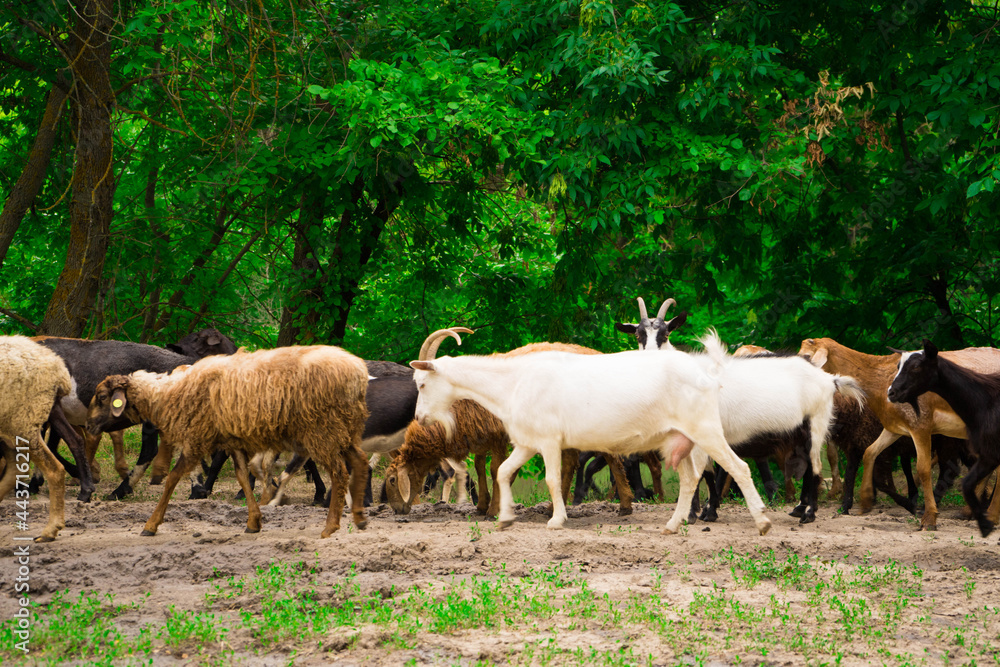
{"x": 364, "y": 173}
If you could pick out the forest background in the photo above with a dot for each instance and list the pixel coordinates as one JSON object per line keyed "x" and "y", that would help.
{"x": 362, "y": 172}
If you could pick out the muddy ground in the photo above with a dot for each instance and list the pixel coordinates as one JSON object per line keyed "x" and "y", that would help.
{"x": 202, "y": 542}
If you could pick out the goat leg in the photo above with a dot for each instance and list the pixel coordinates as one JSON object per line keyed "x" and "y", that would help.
{"x": 570, "y": 462}
{"x": 147, "y": 453}
{"x": 204, "y": 489}
{"x": 711, "y": 514}
{"x": 61, "y": 428}
{"x": 624, "y": 489}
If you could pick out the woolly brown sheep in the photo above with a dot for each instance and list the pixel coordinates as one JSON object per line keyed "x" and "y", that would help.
{"x": 311, "y": 398}
{"x": 32, "y": 380}
{"x": 477, "y": 432}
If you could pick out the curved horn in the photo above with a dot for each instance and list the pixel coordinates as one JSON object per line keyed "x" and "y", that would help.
{"x": 664, "y": 308}
{"x": 430, "y": 347}
{"x": 642, "y": 309}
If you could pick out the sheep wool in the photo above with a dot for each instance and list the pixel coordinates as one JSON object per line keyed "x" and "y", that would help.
{"x": 310, "y": 398}
{"x": 32, "y": 379}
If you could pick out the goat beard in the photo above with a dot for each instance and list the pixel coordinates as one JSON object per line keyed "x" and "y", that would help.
{"x": 448, "y": 424}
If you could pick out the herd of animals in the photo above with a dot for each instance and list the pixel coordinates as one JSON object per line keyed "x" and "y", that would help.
{"x": 207, "y": 402}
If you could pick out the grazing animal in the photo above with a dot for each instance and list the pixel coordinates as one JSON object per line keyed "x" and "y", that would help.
{"x": 309, "y": 398}
{"x": 89, "y": 362}
{"x": 875, "y": 373}
{"x": 765, "y": 399}
{"x": 620, "y": 403}
{"x": 476, "y": 432}
{"x": 653, "y": 334}
{"x": 32, "y": 382}
{"x": 975, "y": 398}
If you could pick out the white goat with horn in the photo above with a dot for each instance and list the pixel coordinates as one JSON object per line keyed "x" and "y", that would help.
{"x": 616, "y": 403}
{"x": 653, "y": 334}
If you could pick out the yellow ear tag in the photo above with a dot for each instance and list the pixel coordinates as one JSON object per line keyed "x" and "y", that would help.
{"x": 117, "y": 402}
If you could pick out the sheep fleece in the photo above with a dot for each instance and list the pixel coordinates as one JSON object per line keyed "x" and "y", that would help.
{"x": 260, "y": 397}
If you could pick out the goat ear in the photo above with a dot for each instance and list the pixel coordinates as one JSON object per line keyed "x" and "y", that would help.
{"x": 626, "y": 328}
{"x": 403, "y": 482}
{"x": 893, "y": 349}
{"x": 677, "y": 322}
{"x": 422, "y": 365}
{"x": 213, "y": 340}
{"x": 930, "y": 350}
{"x": 818, "y": 358}
{"x": 118, "y": 402}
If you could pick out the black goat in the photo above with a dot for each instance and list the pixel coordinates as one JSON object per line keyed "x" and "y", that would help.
{"x": 975, "y": 398}
{"x": 593, "y": 462}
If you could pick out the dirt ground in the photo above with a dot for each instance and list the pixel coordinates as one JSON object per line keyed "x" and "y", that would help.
{"x": 203, "y": 541}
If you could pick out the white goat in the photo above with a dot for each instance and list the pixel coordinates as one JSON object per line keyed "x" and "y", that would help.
{"x": 771, "y": 395}
{"x": 617, "y": 403}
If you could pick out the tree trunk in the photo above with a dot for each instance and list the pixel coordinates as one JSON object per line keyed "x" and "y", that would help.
{"x": 92, "y": 100}
{"x": 305, "y": 268}
{"x": 26, "y": 189}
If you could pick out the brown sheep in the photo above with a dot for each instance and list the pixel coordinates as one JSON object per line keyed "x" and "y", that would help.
{"x": 477, "y": 432}
{"x": 310, "y": 398}
{"x": 32, "y": 381}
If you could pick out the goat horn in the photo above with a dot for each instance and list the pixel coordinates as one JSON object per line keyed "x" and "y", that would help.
{"x": 642, "y": 309}
{"x": 664, "y": 308}
{"x": 430, "y": 347}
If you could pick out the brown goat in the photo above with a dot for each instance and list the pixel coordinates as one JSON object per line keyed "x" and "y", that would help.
{"x": 311, "y": 398}
{"x": 875, "y": 373}
{"x": 477, "y": 432}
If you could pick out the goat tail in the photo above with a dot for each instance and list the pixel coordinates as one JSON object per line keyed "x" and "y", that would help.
{"x": 714, "y": 347}
{"x": 850, "y": 388}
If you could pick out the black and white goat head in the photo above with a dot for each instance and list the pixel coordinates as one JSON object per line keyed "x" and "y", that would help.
{"x": 653, "y": 334}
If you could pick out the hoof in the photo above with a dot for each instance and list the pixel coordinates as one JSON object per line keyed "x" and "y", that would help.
{"x": 361, "y": 525}
{"x": 799, "y": 511}
{"x": 503, "y": 525}
{"x": 763, "y": 528}
{"x": 808, "y": 517}
{"x": 44, "y": 538}
{"x": 251, "y": 530}
{"x": 156, "y": 480}
{"x": 123, "y": 490}
{"x": 845, "y": 511}
{"x": 624, "y": 511}
{"x": 709, "y": 517}
{"x": 667, "y": 531}
{"x": 986, "y": 527}
{"x": 930, "y": 528}
{"x": 84, "y": 497}
{"x": 147, "y": 533}
{"x": 198, "y": 493}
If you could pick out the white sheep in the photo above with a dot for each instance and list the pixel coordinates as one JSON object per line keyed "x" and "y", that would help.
{"x": 617, "y": 403}
{"x": 32, "y": 380}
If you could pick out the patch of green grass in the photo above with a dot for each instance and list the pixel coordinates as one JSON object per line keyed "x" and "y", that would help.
{"x": 818, "y": 611}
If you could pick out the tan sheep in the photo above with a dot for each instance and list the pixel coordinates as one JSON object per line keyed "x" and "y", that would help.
{"x": 32, "y": 380}
{"x": 310, "y": 399}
